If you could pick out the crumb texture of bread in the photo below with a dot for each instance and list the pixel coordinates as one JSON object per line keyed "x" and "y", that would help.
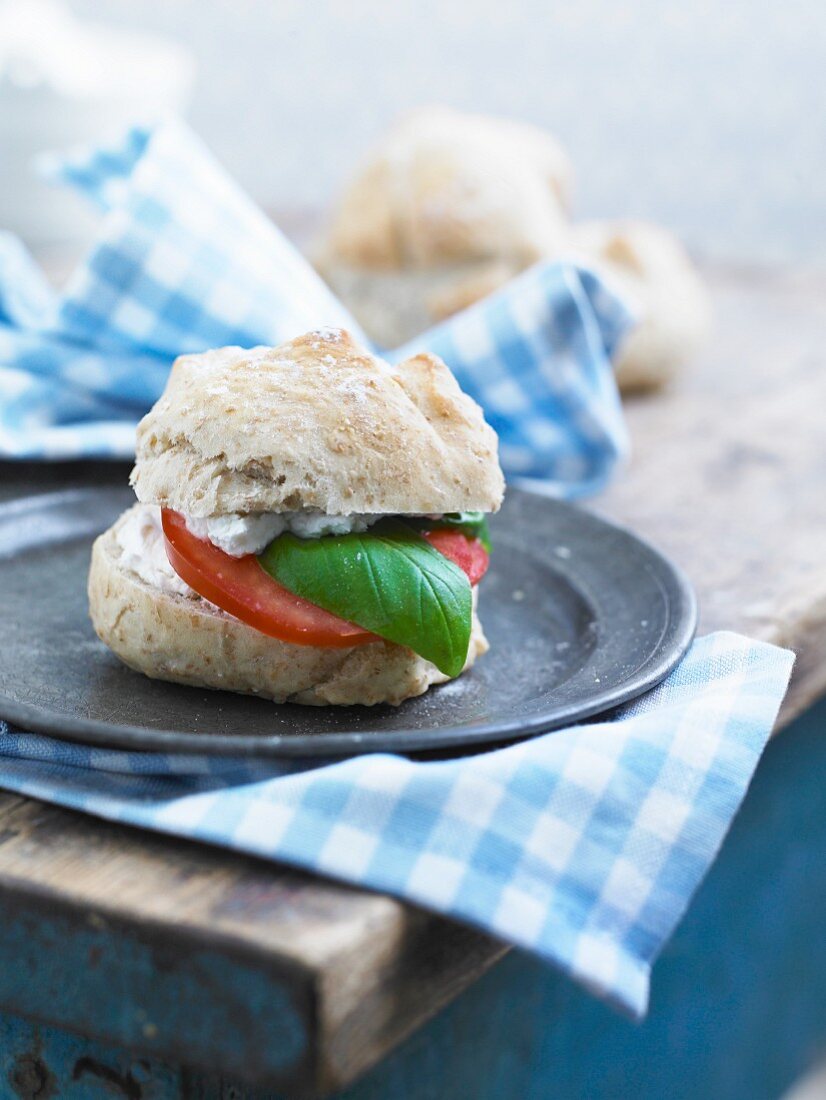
{"x": 189, "y": 641}
{"x": 317, "y": 423}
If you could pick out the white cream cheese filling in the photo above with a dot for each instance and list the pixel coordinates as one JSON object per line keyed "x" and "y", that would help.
{"x": 143, "y": 552}
{"x": 239, "y": 535}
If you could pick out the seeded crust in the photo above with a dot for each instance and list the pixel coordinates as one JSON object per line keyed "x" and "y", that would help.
{"x": 189, "y": 641}
{"x": 316, "y": 423}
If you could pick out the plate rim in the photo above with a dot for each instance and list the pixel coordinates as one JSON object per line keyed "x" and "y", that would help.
{"x": 682, "y": 621}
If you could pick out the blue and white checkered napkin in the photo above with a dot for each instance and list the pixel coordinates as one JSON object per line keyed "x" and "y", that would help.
{"x": 185, "y": 261}
{"x": 583, "y": 846}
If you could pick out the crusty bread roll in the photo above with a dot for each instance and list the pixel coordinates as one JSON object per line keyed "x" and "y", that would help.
{"x": 188, "y": 640}
{"x": 316, "y": 423}
{"x": 442, "y": 196}
{"x": 448, "y": 187}
{"x": 651, "y": 269}
{"x": 451, "y": 206}
{"x": 315, "y": 428}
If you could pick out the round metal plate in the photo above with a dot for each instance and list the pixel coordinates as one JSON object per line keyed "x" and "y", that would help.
{"x": 581, "y": 615}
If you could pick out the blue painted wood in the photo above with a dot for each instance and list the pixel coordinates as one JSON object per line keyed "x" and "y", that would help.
{"x": 49, "y": 964}
{"x": 42, "y": 1062}
{"x": 738, "y": 1007}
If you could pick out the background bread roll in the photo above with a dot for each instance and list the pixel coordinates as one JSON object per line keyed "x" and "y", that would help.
{"x": 445, "y": 187}
{"x": 650, "y": 268}
{"x": 451, "y": 206}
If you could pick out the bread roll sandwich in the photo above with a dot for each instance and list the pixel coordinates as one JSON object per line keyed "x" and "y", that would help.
{"x": 310, "y": 526}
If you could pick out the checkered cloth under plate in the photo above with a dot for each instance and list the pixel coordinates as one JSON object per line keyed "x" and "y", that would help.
{"x": 184, "y": 261}
{"x": 583, "y": 846}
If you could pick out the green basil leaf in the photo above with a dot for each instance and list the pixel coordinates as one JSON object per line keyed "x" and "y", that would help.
{"x": 387, "y": 580}
{"x": 472, "y": 524}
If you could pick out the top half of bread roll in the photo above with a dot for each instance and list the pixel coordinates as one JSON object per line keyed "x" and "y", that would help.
{"x": 317, "y": 423}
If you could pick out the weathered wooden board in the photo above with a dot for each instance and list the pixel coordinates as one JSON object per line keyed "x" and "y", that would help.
{"x": 198, "y": 956}
{"x": 205, "y": 959}
{"x": 729, "y": 470}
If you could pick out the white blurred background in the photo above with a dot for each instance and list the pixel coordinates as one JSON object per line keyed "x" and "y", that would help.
{"x": 707, "y": 116}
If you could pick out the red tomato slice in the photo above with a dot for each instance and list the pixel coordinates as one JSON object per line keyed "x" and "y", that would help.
{"x": 469, "y": 554}
{"x": 241, "y": 587}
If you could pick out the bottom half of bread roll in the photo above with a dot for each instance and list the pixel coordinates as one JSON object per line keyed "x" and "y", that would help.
{"x": 184, "y": 638}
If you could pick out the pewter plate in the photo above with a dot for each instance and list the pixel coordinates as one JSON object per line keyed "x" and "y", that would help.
{"x": 581, "y": 616}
